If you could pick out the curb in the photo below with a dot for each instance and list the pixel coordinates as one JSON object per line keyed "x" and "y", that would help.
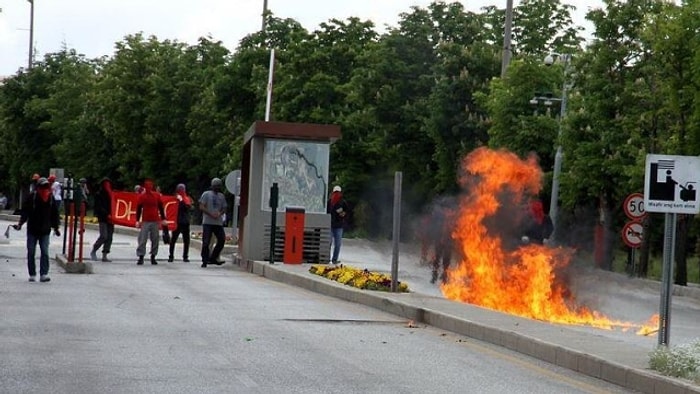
{"x": 406, "y": 305}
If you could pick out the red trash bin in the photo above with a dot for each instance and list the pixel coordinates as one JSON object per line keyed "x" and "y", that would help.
{"x": 293, "y": 235}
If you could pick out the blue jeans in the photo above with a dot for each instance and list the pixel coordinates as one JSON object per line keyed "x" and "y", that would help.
{"x": 43, "y": 241}
{"x": 337, "y": 234}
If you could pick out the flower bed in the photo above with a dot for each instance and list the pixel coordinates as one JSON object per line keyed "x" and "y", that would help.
{"x": 361, "y": 279}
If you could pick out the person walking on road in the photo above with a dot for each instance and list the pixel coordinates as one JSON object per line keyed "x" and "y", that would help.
{"x": 184, "y": 206}
{"x": 40, "y": 212}
{"x": 103, "y": 211}
{"x": 338, "y": 209}
{"x": 149, "y": 209}
{"x": 213, "y": 205}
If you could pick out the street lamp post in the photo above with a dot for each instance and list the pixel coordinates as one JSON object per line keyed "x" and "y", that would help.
{"x": 559, "y": 156}
{"x": 31, "y": 35}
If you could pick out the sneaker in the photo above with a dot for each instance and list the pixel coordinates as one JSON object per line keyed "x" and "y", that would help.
{"x": 170, "y": 259}
{"x": 204, "y": 265}
{"x": 93, "y": 255}
{"x": 44, "y": 278}
{"x": 32, "y": 278}
{"x": 105, "y": 259}
{"x": 185, "y": 260}
{"x": 140, "y": 262}
{"x": 153, "y": 260}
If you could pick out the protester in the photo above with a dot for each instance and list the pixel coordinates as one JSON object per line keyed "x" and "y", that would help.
{"x": 103, "y": 211}
{"x": 438, "y": 228}
{"x": 56, "y": 191}
{"x": 40, "y": 212}
{"x": 184, "y": 206}
{"x": 338, "y": 209}
{"x": 3, "y": 201}
{"x": 538, "y": 226}
{"x": 149, "y": 209}
{"x": 213, "y": 205}
{"x": 32, "y": 184}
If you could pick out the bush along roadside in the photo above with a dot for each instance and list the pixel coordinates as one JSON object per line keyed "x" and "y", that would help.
{"x": 361, "y": 279}
{"x": 682, "y": 361}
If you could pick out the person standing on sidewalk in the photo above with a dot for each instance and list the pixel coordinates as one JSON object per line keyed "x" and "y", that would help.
{"x": 212, "y": 203}
{"x": 338, "y": 209}
{"x": 149, "y": 209}
{"x": 40, "y": 212}
{"x": 103, "y": 211}
{"x": 56, "y": 190}
{"x": 184, "y": 206}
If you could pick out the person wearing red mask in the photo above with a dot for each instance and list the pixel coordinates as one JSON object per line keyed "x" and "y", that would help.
{"x": 338, "y": 209}
{"x": 150, "y": 216}
{"x": 40, "y": 212}
{"x": 103, "y": 211}
{"x": 184, "y": 206}
{"x": 538, "y": 225}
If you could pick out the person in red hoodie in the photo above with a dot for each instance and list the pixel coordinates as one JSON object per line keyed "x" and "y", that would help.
{"x": 40, "y": 212}
{"x": 150, "y": 217}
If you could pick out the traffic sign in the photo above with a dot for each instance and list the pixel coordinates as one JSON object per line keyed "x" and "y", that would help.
{"x": 634, "y": 206}
{"x": 632, "y": 234}
{"x": 233, "y": 182}
{"x": 670, "y": 184}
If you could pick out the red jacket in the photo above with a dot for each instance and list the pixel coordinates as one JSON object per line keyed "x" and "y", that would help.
{"x": 149, "y": 207}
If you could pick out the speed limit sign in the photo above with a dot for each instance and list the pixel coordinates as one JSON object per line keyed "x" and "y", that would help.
{"x": 634, "y": 206}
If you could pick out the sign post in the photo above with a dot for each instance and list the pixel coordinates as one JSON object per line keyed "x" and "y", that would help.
{"x": 632, "y": 232}
{"x": 669, "y": 187}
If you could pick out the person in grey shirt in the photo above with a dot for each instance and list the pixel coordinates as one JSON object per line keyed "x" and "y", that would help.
{"x": 212, "y": 203}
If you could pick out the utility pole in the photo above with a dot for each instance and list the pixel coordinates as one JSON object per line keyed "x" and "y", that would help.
{"x": 31, "y": 35}
{"x": 507, "y": 52}
{"x": 264, "y": 14}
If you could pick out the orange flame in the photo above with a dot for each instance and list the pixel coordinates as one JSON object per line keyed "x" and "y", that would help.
{"x": 527, "y": 281}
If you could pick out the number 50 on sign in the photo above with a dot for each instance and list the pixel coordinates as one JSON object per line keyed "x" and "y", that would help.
{"x": 634, "y": 206}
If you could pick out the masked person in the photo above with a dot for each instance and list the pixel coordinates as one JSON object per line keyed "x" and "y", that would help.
{"x": 213, "y": 205}
{"x": 338, "y": 209}
{"x": 150, "y": 217}
{"x": 40, "y": 212}
{"x": 184, "y": 206}
{"x": 103, "y": 211}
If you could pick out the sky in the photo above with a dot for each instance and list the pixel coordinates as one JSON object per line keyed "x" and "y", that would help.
{"x": 91, "y": 27}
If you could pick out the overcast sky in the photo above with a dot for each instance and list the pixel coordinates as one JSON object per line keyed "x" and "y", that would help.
{"x": 92, "y": 27}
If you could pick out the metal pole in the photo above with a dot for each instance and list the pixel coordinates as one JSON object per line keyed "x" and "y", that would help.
{"x": 269, "y": 85}
{"x": 559, "y": 156}
{"x": 264, "y": 14}
{"x": 234, "y": 223}
{"x": 31, "y": 35}
{"x": 666, "y": 279}
{"x": 507, "y": 52}
{"x": 274, "y": 195}
{"x": 396, "y": 233}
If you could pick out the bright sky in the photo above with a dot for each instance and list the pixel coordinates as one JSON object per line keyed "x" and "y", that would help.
{"x": 92, "y": 27}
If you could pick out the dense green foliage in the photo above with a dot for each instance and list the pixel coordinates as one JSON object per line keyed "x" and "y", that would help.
{"x": 415, "y": 98}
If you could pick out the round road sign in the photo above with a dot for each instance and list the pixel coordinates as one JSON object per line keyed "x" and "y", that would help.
{"x": 233, "y": 182}
{"x": 632, "y": 234}
{"x": 634, "y": 206}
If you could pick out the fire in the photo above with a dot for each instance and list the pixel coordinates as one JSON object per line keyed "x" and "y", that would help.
{"x": 527, "y": 280}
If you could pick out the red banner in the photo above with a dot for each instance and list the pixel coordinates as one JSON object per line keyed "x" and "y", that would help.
{"x": 124, "y": 209}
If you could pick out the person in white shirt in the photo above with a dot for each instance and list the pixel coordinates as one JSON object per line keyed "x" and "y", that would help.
{"x": 56, "y": 191}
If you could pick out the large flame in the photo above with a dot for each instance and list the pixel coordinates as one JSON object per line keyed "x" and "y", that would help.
{"x": 526, "y": 281}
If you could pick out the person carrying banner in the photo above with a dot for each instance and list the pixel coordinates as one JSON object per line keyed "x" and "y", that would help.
{"x": 150, "y": 216}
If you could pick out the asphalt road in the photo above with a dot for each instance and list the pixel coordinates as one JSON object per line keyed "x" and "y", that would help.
{"x": 178, "y": 328}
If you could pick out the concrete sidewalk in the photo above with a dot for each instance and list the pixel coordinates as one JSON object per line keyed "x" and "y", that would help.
{"x": 618, "y": 358}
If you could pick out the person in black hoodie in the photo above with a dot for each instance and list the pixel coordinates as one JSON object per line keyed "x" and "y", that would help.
{"x": 103, "y": 211}
{"x": 40, "y": 212}
{"x": 184, "y": 206}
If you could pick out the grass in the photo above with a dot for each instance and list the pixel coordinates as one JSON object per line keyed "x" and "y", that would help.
{"x": 682, "y": 361}
{"x": 655, "y": 265}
